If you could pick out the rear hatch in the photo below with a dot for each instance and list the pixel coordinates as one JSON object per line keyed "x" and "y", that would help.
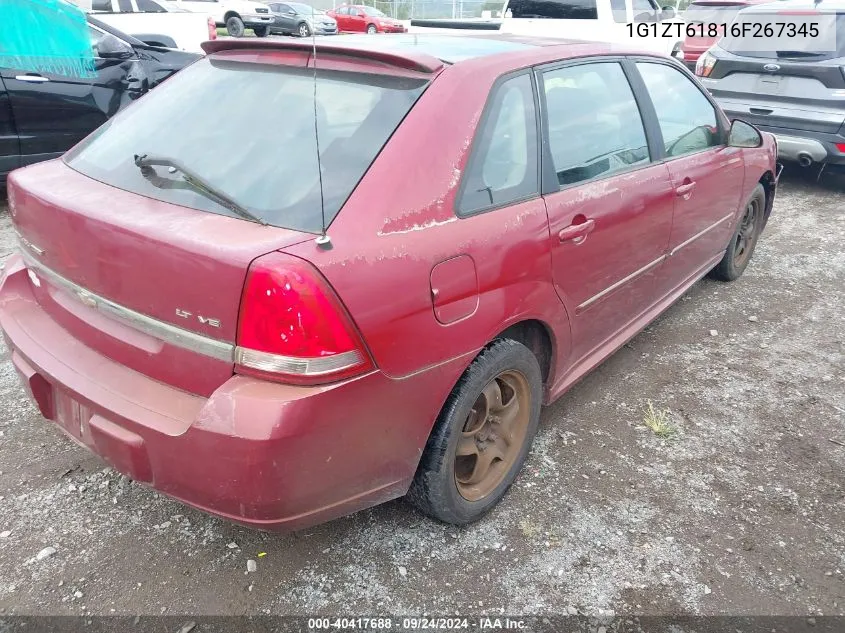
{"x": 140, "y": 240}
{"x": 786, "y": 88}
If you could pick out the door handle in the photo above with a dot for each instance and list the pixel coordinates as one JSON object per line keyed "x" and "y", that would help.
{"x": 760, "y": 110}
{"x": 33, "y": 79}
{"x": 577, "y": 232}
{"x": 685, "y": 189}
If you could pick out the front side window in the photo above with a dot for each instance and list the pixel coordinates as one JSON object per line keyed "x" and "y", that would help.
{"x": 373, "y": 12}
{"x": 124, "y": 6}
{"x": 554, "y": 9}
{"x": 594, "y": 125}
{"x": 687, "y": 119}
{"x": 303, "y": 9}
{"x": 190, "y": 120}
{"x": 101, "y": 5}
{"x": 503, "y": 168}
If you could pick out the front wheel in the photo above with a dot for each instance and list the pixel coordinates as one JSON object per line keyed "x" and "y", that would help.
{"x": 235, "y": 26}
{"x": 744, "y": 239}
{"x": 372, "y": 29}
{"x": 482, "y": 436}
{"x": 303, "y": 30}
{"x": 260, "y": 31}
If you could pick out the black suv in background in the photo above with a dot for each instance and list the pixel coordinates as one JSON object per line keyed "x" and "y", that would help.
{"x": 798, "y": 95}
{"x": 42, "y": 115}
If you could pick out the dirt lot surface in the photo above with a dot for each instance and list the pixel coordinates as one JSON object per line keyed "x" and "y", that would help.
{"x": 741, "y": 512}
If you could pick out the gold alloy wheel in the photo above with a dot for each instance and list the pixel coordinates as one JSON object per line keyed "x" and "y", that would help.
{"x": 493, "y": 435}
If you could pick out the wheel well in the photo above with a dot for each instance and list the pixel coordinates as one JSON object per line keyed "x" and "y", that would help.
{"x": 768, "y": 182}
{"x": 535, "y": 336}
{"x": 231, "y": 14}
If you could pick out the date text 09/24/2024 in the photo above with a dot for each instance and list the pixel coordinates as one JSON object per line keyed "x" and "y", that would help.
{"x": 414, "y": 623}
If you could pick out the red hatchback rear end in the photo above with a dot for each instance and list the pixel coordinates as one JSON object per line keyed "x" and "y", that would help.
{"x": 159, "y": 328}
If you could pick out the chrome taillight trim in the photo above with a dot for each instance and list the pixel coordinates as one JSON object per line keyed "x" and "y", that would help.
{"x": 277, "y": 364}
{"x": 160, "y": 330}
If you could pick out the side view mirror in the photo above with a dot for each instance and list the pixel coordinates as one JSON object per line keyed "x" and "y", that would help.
{"x": 361, "y": 14}
{"x": 744, "y": 134}
{"x": 107, "y": 46}
{"x": 667, "y": 13}
{"x": 290, "y": 12}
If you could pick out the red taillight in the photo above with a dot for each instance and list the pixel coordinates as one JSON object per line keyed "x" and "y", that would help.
{"x": 841, "y": 147}
{"x": 212, "y": 29}
{"x": 704, "y": 65}
{"x": 293, "y": 328}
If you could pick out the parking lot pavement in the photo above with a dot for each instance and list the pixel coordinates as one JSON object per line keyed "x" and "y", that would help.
{"x": 741, "y": 512}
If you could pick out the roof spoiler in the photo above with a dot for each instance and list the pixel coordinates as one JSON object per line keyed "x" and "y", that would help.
{"x": 410, "y": 60}
{"x": 474, "y": 25}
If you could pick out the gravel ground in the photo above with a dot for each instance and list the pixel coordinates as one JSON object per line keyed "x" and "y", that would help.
{"x": 741, "y": 512}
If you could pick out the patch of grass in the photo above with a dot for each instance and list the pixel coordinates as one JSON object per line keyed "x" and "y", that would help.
{"x": 658, "y": 421}
{"x": 529, "y": 529}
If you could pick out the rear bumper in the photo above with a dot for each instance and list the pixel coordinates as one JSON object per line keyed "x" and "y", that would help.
{"x": 266, "y": 455}
{"x": 793, "y": 143}
{"x": 256, "y": 20}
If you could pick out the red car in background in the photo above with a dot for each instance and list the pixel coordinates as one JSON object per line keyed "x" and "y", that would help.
{"x": 359, "y": 18}
{"x": 450, "y": 232}
{"x": 700, "y": 15}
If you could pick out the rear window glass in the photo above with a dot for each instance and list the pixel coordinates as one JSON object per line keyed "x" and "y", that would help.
{"x": 802, "y": 49}
{"x": 711, "y": 14}
{"x": 248, "y": 131}
{"x": 554, "y": 9}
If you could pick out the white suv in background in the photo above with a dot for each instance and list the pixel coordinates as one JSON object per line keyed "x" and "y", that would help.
{"x": 235, "y": 15}
{"x": 643, "y": 24}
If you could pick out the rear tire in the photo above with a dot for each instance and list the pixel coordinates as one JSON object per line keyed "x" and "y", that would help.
{"x": 235, "y": 26}
{"x": 260, "y": 31}
{"x": 482, "y": 436}
{"x": 371, "y": 28}
{"x": 744, "y": 239}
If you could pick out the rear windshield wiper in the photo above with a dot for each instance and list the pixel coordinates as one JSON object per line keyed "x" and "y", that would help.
{"x": 145, "y": 161}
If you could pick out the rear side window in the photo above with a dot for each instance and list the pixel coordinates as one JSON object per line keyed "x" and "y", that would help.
{"x": 554, "y": 9}
{"x": 248, "y": 130}
{"x": 687, "y": 119}
{"x": 503, "y": 166}
{"x": 594, "y": 125}
{"x": 101, "y": 5}
{"x": 620, "y": 13}
{"x": 148, "y": 6}
{"x": 644, "y": 11}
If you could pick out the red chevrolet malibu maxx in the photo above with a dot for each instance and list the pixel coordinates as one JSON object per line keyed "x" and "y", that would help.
{"x": 440, "y": 235}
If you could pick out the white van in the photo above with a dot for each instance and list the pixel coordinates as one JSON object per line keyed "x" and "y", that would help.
{"x": 637, "y": 23}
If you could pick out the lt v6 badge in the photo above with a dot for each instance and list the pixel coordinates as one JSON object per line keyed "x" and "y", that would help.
{"x": 204, "y": 320}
